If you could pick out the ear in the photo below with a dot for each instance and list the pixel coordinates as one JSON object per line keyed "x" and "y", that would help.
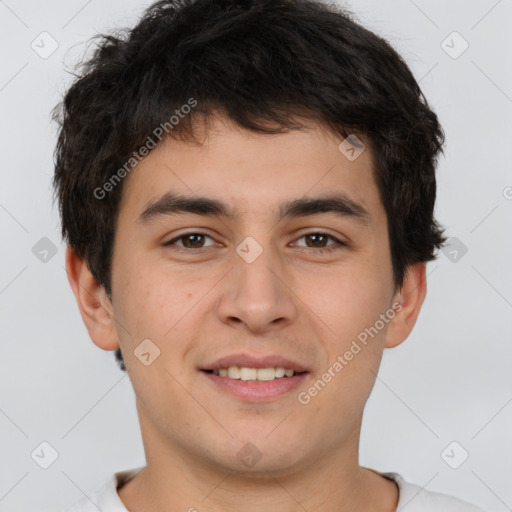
{"x": 411, "y": 296}
{"x": 95, "y": 307}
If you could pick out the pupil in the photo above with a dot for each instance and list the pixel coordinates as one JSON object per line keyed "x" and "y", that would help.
{"x": 197, "y": 237}
{"x": 316, "y": 236}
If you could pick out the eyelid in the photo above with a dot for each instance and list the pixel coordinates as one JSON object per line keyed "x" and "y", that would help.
{"x": 338, "y": 244}
{"x": 336, "y": 240}
{"x": 183, "y": 235}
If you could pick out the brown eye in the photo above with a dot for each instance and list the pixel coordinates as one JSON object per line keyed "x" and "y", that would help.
{"x": 319, "y": 241}
{"x": 190, "y": 241}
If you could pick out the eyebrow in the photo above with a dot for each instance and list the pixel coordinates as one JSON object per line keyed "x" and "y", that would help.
{"x": 172, "y": 204}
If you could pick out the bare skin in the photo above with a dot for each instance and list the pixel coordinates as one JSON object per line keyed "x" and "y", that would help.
{"x": 198, "y": 300}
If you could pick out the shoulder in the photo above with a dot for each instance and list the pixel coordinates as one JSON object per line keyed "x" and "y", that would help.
{"x": 106, "y": 497}
{"x": 417, "y": 499}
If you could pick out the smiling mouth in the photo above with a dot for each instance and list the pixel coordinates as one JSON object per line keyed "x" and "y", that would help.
{"x": 254, "y": 374}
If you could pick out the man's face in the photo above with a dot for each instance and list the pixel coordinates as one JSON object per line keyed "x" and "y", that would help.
{"x": 252, "y": 290}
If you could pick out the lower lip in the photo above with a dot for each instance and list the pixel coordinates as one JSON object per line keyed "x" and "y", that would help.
{"x": 258, "y": 391}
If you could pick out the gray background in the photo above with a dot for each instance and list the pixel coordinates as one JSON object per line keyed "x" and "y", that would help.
{"x": 450, "y": 381}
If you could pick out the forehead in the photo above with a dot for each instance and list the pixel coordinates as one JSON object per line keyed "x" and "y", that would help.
{"x": 244, "y": 172}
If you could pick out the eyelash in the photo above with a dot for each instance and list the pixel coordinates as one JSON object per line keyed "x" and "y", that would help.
{"x": 322, "y": 250}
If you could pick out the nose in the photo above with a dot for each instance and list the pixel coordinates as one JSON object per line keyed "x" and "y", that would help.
{"x": 258, "y": 294}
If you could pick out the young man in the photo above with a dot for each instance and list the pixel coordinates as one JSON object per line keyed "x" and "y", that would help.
{"x": 247, "y": 193}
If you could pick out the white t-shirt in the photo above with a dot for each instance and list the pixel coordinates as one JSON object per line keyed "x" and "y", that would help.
{"x": 412, "y": 498}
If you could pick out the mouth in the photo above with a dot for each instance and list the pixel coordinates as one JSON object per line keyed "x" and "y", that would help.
{"x": 254, "y": 374}
{"x": 255, "y": 379}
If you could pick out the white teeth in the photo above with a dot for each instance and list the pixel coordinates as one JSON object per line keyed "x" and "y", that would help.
{"x": 266, "y": 374}
{"x": 248, "y": 373}
{"x": 233, "y": 372}
{"x": 262, "y": 374}
{"x": 280, "y": 372}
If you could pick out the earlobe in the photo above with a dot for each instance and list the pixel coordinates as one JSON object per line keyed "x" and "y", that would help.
{"x": 410, "y": 296}
{"x": 95, "y": 307}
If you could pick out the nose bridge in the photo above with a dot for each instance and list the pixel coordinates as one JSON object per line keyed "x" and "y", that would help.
{"x": 257, "y": 267}
{"x": 256, "y": 294}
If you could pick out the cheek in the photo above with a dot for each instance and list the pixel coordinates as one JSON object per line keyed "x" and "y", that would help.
{"x": 156, "y": 299}
{"x": 354, "y": 354}
{"x": 353, "y": 300}
{"x": 357, "y": 337}
{"x": 143, "y": 305}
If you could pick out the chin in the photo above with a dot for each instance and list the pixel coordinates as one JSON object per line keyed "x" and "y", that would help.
{"x": 256, "y": 456}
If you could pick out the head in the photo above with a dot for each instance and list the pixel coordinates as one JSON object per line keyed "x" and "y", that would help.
{"x": 231, "y": 120}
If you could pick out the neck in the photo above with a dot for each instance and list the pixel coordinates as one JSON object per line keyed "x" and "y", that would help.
{"x": 172, "y": 483}
{"x": 173, "y": 480}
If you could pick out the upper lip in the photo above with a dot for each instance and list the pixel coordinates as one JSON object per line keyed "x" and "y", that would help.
{"x": 248, "y": 361}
